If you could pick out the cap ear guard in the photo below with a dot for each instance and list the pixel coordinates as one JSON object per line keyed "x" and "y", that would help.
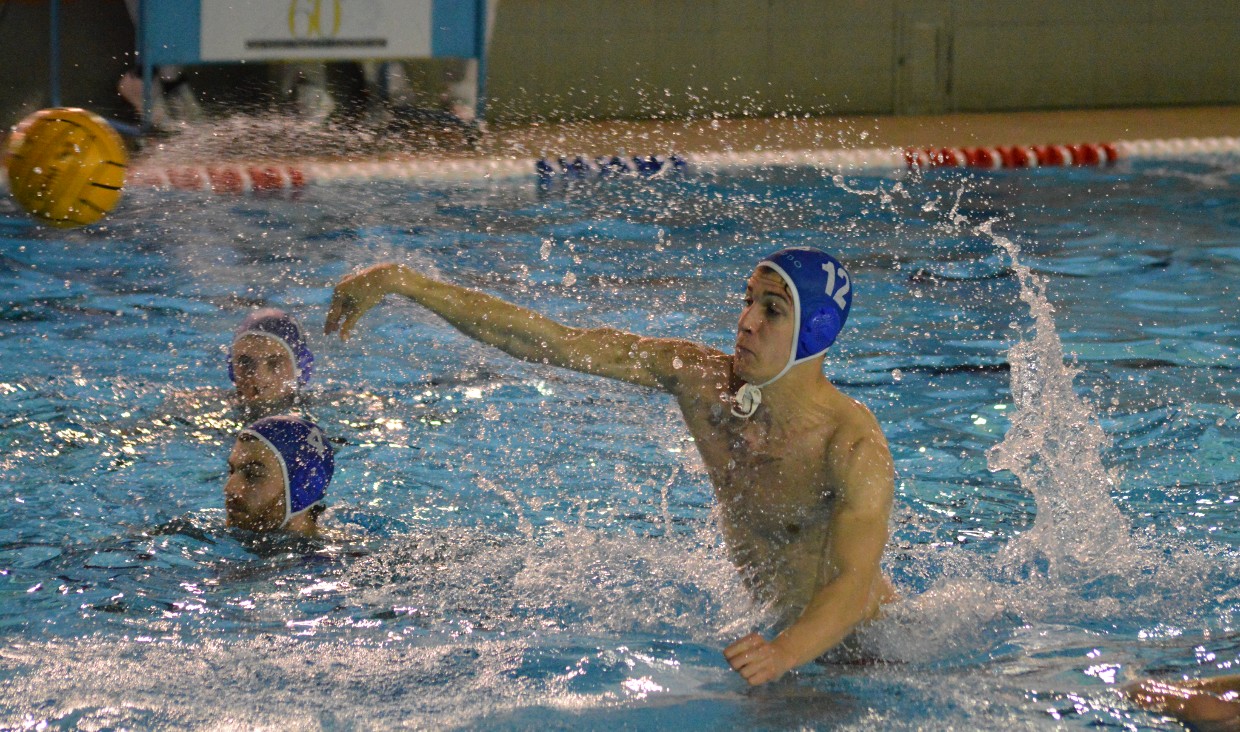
{"x": 312, "y": 470}
{"x": 818, "y": 332}
{"x": 305, "y": 365}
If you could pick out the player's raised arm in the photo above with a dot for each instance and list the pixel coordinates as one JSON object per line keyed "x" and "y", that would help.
{"x": 518, "y": 331}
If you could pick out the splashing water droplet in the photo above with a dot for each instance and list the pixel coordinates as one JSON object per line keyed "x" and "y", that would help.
{"x": 1054, "y": 448}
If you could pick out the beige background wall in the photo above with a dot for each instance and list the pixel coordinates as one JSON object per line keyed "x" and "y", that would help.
{"x": 1096, "y": 53}
{"x": 648, "y": 58}
{"x": 582, "y": 59}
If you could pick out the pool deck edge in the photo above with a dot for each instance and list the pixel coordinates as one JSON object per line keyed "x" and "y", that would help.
{"x": 788, "y": 133}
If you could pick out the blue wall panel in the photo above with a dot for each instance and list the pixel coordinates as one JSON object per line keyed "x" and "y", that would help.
{"x": 456, "y": 28}
{"x": 171, "y": 31}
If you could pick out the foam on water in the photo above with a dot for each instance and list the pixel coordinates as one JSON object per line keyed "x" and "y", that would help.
{"x": 480, "y": 626}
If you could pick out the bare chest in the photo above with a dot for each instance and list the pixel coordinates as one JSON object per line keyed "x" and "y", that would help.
{"x": 768, "y": 484}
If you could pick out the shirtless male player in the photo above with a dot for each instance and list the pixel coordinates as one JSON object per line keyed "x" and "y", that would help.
{"x": 802, "y": 473}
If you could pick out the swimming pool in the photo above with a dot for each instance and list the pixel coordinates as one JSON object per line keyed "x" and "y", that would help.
{"x": 535, "y": 548}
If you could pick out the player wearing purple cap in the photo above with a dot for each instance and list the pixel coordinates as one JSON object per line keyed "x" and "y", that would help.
{"x": 802, "y": 472}
{"x": 269, "y": 362}
{"x": 278, "y": 474}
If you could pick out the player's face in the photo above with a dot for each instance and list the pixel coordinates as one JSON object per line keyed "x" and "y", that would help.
{"x": 263, "y": 371}
{"x": 254, "y": 493}
{"x": 764, "y": 331}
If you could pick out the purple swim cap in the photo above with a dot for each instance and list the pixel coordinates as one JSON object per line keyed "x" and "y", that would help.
{"x": 305, "y": 455}
{"x": 282, "y": 328}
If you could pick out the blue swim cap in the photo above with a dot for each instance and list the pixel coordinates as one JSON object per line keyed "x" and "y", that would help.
{"x": 282, "y": 328}
{"x": 821, "y": 291}
{"x": 306, "y": 458}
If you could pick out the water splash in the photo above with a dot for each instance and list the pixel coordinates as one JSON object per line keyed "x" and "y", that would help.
{"x": 1054, "y": 448}
{"x": 1081, "y": 561}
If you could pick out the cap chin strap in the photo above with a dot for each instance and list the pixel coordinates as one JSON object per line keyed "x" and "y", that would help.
{"x": 749, "y": 397}
{"x": 747, "y": 400}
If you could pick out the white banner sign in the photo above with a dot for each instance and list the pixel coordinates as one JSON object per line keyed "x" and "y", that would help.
{"x": 236, "y": 30}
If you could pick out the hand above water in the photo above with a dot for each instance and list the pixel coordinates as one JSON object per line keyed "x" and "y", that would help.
{"x": 358, "y": 293}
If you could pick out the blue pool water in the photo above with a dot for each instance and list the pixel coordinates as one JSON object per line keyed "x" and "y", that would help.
{"x": 533, "y": 548}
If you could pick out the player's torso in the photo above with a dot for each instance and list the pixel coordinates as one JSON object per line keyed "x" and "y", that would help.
{"x": 775, "y": 496}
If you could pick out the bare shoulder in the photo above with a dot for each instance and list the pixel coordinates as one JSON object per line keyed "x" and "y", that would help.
{"x": 855, "y": 424}
{"x": 857, "y": 452}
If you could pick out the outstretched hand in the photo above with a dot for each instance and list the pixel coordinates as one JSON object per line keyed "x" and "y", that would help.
{"x": 756, "y": 659}
{"x": 356, "y": 294}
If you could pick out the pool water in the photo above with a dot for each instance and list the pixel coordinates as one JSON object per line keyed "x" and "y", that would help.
{"x": 1052, "y": 354}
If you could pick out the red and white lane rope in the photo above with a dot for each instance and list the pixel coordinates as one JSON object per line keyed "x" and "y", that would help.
{"x": 1014, "y": 156}
{"x": 240, "y": 178}
{"x": 260, "y": 177}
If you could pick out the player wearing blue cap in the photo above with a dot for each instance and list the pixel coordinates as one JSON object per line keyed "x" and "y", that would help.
{"x": 269, "y": 362}
{"x": 819, "y": 293}
{"x": 278, "y": 474}
{"x": 802, "y": 473}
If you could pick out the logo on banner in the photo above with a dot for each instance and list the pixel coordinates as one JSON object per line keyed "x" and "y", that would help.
{"x": 314, "y": 18}
{"x": 316, "y": 25}
{"x": 322, "y": 30}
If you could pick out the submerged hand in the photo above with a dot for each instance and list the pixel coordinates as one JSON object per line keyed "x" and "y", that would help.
{"x": 756, "y": 659}
{"x": 356, "y": 294}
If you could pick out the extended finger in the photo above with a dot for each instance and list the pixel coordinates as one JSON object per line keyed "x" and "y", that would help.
{"x": 333, "y": 318}
{"x": 335, "y": 312}
{"x": 346, "y": 328}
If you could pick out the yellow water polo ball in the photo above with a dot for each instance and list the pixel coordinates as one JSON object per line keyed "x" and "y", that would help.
{"x": 66, "y": 166}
